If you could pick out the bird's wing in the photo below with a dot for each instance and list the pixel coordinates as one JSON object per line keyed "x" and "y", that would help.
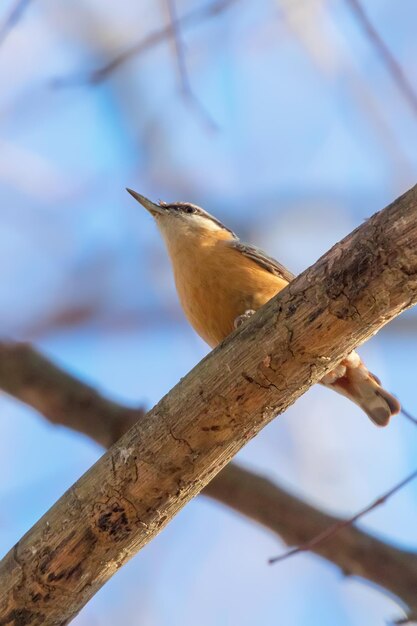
{"x": 262, "y": 259}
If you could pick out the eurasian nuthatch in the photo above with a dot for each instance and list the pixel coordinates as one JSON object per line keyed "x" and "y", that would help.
{"x": 221, "y": 281}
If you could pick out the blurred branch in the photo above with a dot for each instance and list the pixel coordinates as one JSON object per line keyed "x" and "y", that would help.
{"x": 64, "y": 400}
{"x": 61, "y": 398}
{"x": 320, "y": 35}
{"x": 356, "y": 552}
{"x": 191, "y": 18}
{"x": 186, "y": 89}
{"x": 170, "y": 454}
{"x": 335, "y": 528}
{"x": 394, "y": 68}
{"x": 408, "y": 416}
{"x": 13, "y": 18}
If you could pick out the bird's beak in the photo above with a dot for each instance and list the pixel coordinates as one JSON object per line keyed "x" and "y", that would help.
{"x": 150, "y": 206}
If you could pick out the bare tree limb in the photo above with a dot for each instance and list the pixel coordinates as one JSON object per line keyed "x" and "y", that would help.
{"x": 34, "y": 380}
{"x": 356, "y": 552}
{"x": 170, "y": 454}
{"x": 408, "y": 415}
{"x": 13, "y": 18}
{"x": 394, "y": 68}
{"x": 61, "y": 398}
{"x": 339, "y": 525}
{"x": 196, "y": 16}
{"x": 186, "y": 88}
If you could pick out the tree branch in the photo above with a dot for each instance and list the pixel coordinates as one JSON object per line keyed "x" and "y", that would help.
{"x": 356, "y": 552}
{"x": 196, "y": 16}
{"x": 393, "y": 67}
{"x": 335, "y": 528}
{"x": 187, "y": 92}
{"x": 61, "y": 398}
{"x": 13, "y": 18}
{"x": 169, "y": 455}
{"x": 64, "y": 400}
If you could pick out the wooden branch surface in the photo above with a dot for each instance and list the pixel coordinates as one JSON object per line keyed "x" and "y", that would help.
{"x": 64, "y": 400}
{"x": 179, "y": 446}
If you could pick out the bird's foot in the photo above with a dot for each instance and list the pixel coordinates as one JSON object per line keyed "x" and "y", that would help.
{"x": 242, "y": 318}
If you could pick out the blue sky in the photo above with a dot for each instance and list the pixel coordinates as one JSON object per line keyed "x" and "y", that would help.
{"x": 312, "y": 137}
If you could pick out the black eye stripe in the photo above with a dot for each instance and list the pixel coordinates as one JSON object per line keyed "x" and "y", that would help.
{"x": 185, "y": 207}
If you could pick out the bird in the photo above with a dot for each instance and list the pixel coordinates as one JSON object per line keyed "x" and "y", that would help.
{"x": 222, "y": 281}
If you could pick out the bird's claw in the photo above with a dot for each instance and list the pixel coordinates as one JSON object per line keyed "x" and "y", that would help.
{"x": 242, "y": 318}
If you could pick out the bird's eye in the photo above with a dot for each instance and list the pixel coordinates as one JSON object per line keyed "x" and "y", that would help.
{"x": 189, "y": 209}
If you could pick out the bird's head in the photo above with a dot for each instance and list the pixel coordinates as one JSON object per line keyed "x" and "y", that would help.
{"x": 183, "y": 219}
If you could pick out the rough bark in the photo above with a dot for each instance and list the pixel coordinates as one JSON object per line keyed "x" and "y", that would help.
{"x": 179, "y": 446}
{"x": 64, "y": 400}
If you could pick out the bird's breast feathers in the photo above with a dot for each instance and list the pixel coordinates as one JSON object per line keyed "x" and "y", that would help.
{"x": 218, "y": 285}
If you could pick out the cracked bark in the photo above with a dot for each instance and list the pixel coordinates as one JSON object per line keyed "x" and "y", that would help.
{"x": 33, "y": 379}
{"x": 148, "y": 475}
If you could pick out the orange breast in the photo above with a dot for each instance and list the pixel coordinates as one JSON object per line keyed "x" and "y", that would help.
{"x": 216, "y": 284}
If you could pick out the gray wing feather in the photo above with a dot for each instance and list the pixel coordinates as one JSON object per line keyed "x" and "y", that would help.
{"x": 262, "y": 259}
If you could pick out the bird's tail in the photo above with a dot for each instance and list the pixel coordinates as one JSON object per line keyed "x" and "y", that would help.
{"x": 352, "y": 379}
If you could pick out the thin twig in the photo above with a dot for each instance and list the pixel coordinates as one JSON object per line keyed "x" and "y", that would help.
{"x": 186, "y": 89}
{"x": 408, "y": 415}
{"x": 394, "y": 68}
{"x": 12, "y": 19}
{"x": 335, "y": 528}
{"x": 31, "y": 378}
{"x": 173, "y": 451}
{"x": 99, "y": 75}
